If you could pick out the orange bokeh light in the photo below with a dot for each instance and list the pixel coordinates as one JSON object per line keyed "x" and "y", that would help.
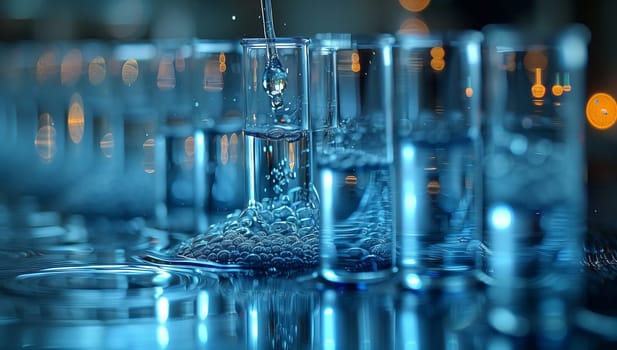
{"x": 130, "y": 71}
{"x": 70, "y": 68}
{"x": 414, "y": 25}
{"x": 46, "y": 66}
{"x": 538, "y": 90}
{"x": 75, "y": 118}
{"x": 438, "y": 52}
{"x": 355, "y": 62}
{"x": 213, "y": 76}
{"x": 166, "y": 77}
{"x": 468, "y": 92}
{"x": 97, "y": 70}
{"x": 414, "y": 5}
{"x": 438, "y": 64}
{"x": 601, "y": 111}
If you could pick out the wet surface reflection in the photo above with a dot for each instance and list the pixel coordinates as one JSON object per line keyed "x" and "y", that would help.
{"x": 87, "y": 285}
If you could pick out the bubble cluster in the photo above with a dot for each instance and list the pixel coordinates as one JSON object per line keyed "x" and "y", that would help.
{"x": 280, "y": 177}
{"x": 279, "y": 234}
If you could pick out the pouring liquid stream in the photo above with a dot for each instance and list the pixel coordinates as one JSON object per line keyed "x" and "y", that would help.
{"x": 275, "y": 76}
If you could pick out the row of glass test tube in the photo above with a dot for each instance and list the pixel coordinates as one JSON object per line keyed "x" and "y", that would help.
{"x": 434, "y": 158}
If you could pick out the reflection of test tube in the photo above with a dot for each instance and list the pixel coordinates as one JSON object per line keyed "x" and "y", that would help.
{"x": 277, "y": 140}
{"x": 356, "y": 320}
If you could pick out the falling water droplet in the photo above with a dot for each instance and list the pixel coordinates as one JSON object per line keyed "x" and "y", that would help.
{"x": 275, "y": 77}
{"x": 275, "y": 82}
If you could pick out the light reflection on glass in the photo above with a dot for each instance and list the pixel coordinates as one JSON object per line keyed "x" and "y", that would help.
{"x": 224, "y": 149}
{"x": 566, "y": 82}
{"x": 189, "y": 152}
{"x": 292, "y": 157}
{"x": 107, "y": 145}
{"x": 351, "y": 180}
{"x": 46, "y": 66}
{"x": 501, "y": 217}
{"x": 355, "y": 62}
{"x": 189, "y": 146}
{"x": 414, "y": 25}
{"x": 166, "y": 78}
{"x": 222, "y": 63}
{"x": 213, "y": 77}
{"x": 45, "y": 140}
{"x": 180, "y": 61}
{"x": 75, "y": 118}
{"x": 329, "y": 327}
{"x": 557, "y": 88}
{"x": 510, "y": 64}
{"x": 203, "y": 305}
{"x": 97, "y": 69}
{"x": 70, "y": 68}
{"x": 253, "y": 322}
{"x": 202, "y": 333}
{"x": 233, "y": 141}
{"x": 130, "y": 71}
{"x": 433, "y": 187}
{"x": 162, "y": 310}
{"x": 254, "y": 76}
{"x": 162, "y": 336}
{"x": 149, "y": 156}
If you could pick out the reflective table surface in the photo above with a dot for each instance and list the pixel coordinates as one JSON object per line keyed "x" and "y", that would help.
{"x": 99, "y": 285}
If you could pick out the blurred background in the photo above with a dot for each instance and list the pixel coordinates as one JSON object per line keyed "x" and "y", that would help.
{"x": 140, "y": 20}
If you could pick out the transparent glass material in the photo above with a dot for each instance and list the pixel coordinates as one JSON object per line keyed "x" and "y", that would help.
{"x": 277, "y": 138}
{"x": 276, "y": 230}
{"x": 353, "y": 156}
{"x": 174, "y": 146}
{"x": 78, "y": 129}
{"x": 437, "y": 157}
{"x": 534, "y": 172}
{"x": 219, "y": 146}
{"x": 352, "y": 319}
{"x": 199, "y": 175}
{"x": 450, "y": 319}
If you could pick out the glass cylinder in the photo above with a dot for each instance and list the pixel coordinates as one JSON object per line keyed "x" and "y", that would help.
{"x": 276, "y": 231}
{"x": 174, "y": 146}
{"x": 277, "y": 137}
{"x": 353, "y": 158}
{"x": 534, "y": 172}
{"x": 133, "y": 141}
{"x": 437, "y": 157}
{"x": 216, "y": 67}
